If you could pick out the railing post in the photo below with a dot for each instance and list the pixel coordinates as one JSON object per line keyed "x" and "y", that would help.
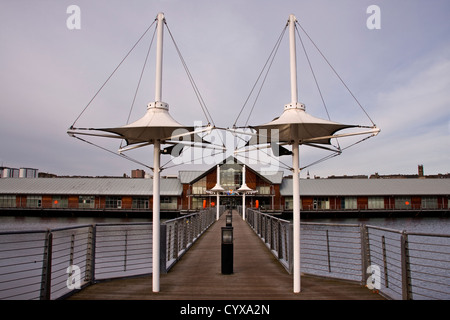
{"x": 328, "y": 251}
{"x": 406, "y": 276}
{"x": 258, "y": 223}
{"x": 365, "y": 252}
{"x": 265, "y": 228}
{"x": 290, "y": 244}
{"x": 125, "y": 251}
{"x": 72, "y": 249}
{"x": 46, "y": 280}
{"x": 280, "y": 240}
{"x": 90, "y": 255}
{"x": 163, "y": 249}
{"x": 176, "y": 245}
{"x": 271, "y": 233}
{"x": 386, "y": 278}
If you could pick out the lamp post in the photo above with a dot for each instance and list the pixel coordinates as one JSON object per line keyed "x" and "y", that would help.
{"x": 217, "y": 190}
{"x": 244, "y": 189}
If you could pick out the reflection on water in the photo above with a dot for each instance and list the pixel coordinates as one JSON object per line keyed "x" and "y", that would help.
{"x": 21, "y": 223}
{"x": 436, "y": 225}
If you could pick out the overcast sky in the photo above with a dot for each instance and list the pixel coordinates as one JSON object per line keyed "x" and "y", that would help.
{"x": 399, "y": 73}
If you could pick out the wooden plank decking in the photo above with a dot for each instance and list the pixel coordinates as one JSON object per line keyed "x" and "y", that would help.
{"x": 197, "y": 276}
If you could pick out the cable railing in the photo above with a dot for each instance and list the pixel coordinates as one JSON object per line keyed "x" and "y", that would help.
{"x": 181, "y": 234}
{"x": 397, "y": 264}
{"x": 51, "y": 264}
{"x": 276, "y": 234}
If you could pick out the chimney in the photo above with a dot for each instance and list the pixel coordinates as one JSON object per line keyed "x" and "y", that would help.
{"x": 420, "y": 168}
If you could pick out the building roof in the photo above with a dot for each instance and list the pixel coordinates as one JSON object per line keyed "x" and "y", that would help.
{"x": 187, "y": 176}
{"x": 89, "y": 186}
{"x": 275, "y": 177}
{"x": 368, "y": 187}
{"x": 173, "y": 186}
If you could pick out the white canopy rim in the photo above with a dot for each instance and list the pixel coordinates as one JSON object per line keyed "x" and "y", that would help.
{"x": 156, "y": 124}
{"x": 295, "y": 122}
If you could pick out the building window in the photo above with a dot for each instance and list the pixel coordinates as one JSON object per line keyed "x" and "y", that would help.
{"x": 86, "y": 202}
{"x": 402, "y": 203}
{"x": 376, "y": 203}
{"x": 197, "y": 203}
{"x": 321, "y": 204}
{"x": 199, "y": 187}
{"x": 263, "y": 189}
{"x": 169, "y": 203}
{"x": 60, "y": 202}
{"x": 7, "y": 201}
{"x": 349, "y": 203}
{"x": 113, "y": 203}
{"x": 140, "y": 203}
{"x": 231, "y": 176}
{"x": 34, "y": 201}
{"x": 289, "y": 203}
{"x": 429, "y": 202}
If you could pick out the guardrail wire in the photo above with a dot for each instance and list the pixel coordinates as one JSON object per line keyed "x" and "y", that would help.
{"x": 397, "y": 264}
{"x": 50, "y": 264}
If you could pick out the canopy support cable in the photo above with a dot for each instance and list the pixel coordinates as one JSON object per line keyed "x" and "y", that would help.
{"x": 118, "y": 66}
{"x": 139, "y": 82}
{"x": 191, "y": 79}
{"x": 314, "y": 76}
{"x": 113, "y": 152}
{"x": 269, "y": 59}
{"x": 335, "y": 72}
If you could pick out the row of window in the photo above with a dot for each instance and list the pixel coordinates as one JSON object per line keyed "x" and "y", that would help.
{"x": 86, "y": 202}
{"x": 171, "y": 203}
{"x": 349, "y": 203}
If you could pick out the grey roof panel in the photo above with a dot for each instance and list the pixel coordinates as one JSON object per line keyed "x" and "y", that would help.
{"x": 275, "y": 177}
{"x": 365, "y": 187}
{"x": 88, "y": 186}
{"x": 173, "y": 187}
{"x": 186, "y": 177}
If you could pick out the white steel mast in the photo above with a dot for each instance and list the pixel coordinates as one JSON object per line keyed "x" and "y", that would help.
{"x": 295, "y": 157}
{"x": 156, "y": 161}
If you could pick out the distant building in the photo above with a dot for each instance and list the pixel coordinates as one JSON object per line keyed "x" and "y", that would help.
{"x": 6, "y": 172}
{"x": 420, "y": 175}
{"x": 28, "y": 173}
{"x": 137, "y": 173}
{"x": 191, "y": 190}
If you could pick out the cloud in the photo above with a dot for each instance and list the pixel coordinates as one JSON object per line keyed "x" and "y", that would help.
{"x": 49, "y": 73}
{"x": 419, "y": 97}
{"x": 413, "y": 114}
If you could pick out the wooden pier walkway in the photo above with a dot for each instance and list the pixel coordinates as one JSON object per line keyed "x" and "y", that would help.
{"x": 197, "y": 276}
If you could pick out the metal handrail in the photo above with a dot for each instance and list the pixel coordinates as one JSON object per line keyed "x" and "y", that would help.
{"x": 35, "y": 264}
{"x": 411, "y": 265}
{"x": 408, "y": 268}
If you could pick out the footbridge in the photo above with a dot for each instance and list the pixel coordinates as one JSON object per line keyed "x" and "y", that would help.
{"x": 257, "y": 275}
